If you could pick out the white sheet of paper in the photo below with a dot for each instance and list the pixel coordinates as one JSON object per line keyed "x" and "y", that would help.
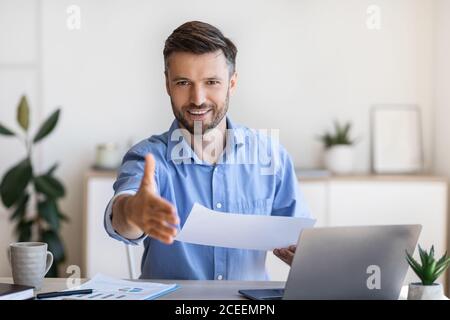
{"x": 242, "y": 231}
{"x": 108, "y": 288}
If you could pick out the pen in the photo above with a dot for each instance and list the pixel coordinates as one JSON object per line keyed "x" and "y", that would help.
{"x": 62, "y": 293}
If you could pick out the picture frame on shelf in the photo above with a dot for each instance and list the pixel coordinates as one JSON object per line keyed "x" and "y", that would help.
{"x": 396, "y": 139}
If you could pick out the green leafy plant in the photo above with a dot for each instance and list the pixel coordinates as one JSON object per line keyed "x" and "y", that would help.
{"x": 430, "y": 269}
{"x": 340, "y": 136}
{"x": 34, "y": 197}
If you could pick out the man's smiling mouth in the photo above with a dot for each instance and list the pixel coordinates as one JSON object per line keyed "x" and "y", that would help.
{"x": 198, "y": 111}
{"x": 198, "y": 114}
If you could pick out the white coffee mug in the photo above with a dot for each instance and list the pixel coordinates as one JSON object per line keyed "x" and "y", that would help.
{"x": 30, "y": 262}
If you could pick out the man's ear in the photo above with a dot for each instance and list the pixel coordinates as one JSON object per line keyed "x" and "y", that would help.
{"x": 167, "y": 82}
{"x": 233, "y": 82}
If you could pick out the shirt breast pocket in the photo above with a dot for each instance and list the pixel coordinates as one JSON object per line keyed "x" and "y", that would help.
{"x": 258, "y": 206}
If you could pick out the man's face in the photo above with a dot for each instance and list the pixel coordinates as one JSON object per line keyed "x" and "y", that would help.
{"x": 199, "y": 86}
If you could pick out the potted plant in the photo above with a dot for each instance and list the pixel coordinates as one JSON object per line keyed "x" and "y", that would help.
{"x": 34, "y": 197}
{"x": 338, "y": 149}
{"x": 428, "y": 271}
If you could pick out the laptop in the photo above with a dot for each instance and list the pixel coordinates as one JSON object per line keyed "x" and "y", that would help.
{"x": 364, "y": 262}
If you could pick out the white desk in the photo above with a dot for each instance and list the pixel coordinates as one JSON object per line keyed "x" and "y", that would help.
{"x": 193, "y": 289}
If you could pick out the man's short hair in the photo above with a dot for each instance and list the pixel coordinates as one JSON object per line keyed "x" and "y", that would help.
{"x": 199, "y": 37}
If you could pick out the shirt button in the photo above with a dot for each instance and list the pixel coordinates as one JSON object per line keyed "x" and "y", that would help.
{"x": 218, "y": 205}
{"x": 219, "y": 277}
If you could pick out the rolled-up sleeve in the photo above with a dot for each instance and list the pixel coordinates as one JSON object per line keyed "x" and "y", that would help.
{"x": 128, "y": 182}
{"x": 108, "y": 222}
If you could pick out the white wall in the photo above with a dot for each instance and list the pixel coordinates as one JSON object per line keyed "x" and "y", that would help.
{"x": 19, "y": 73}
{"x": 300, "y": 63}
{"x": 442, "y": 92}
{"x": 442, "y": 102}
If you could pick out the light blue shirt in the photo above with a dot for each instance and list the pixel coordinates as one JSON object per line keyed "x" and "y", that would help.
{"x": 237, "y": 183}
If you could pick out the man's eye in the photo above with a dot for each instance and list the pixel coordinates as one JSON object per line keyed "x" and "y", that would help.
{"x": 182, "y": 83}
{"x": 212, "y": 82}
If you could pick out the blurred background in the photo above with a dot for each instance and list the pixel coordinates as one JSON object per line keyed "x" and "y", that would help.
{"x": 301, "y": 64}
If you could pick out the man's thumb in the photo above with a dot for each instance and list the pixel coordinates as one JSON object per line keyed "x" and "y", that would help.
{"x": 148, "y": 179}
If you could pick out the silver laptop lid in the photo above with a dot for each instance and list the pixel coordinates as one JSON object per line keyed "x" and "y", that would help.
{"x": 366, "y": 262}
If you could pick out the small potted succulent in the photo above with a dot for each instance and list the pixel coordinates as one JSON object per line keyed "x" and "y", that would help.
{"x": 338, "y": 149}
{"x": 428, "y": 271}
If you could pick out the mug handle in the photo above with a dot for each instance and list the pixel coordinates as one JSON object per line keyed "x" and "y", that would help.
{"x": 8, "y": 253}
{"x": 49, "y": 262}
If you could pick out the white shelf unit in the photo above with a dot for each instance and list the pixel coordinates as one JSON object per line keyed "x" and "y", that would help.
{"x": 334, "y": 201}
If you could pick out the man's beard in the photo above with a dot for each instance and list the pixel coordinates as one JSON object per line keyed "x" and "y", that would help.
{"x": 218, "y": 114}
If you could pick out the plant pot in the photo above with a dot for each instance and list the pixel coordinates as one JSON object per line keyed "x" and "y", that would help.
{"x": 418, "y": 291}
{"x": 339, "y": 159}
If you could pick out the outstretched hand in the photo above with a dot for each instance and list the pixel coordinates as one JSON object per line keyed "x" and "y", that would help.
{"x": 154, "y": 215}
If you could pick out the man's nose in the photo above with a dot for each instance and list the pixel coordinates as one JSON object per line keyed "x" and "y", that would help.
{"x": 198, "y": 96}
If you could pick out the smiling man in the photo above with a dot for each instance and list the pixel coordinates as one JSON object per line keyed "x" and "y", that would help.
{"x": 206, "y": 158}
